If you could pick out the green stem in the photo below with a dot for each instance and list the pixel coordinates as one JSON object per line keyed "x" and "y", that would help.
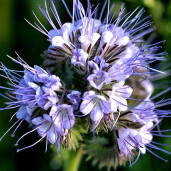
{"x": 74, "y": 160}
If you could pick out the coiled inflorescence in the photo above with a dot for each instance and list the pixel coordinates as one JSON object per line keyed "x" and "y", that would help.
{"x": 97, "y": 75}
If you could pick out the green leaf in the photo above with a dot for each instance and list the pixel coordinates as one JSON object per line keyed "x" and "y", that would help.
{"x": 104, "y": 152}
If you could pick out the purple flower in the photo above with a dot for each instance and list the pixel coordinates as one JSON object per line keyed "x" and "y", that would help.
{"x": 88, "y": 40}
{"x": 46, "y": 128}
{"x": 87, "y": 25}
{"x": 114, "y": 35}
{"x": 99, "y": 77}
{"x": 46, "y": 98}
{"x": 62, "y": 116}
{"x": 24, "y": 112}
{"x": 118, "y": 97}
{"x": 74, "y": 98}
{"x": 95, "y": 105}
{"x": 31, "y": 93}
{"x": 119, "y": 72}
{"x": 65, "y": 30}
{"x": 134, "y": 132}
{"x": 130, "y": 139}
{"x": 79, "y": 58}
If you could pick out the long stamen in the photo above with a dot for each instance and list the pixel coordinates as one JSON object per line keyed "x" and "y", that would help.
{"x": 108, "y": 9}
{"x": 36, "y": 27}
{"x": 13, "y": 134}
{"x": 116, "y": 120}
{"x": 31, "y": 145}
{"x": 9, "y": 129}
{"x": 63, "y": 1}
{"x": 156, "y": 155}
{"x": 73, "y": 9}
{"x": 26, "y": 134}
{"x": 46, "y": 145}
{"x": 161, "y": 93}
{"x": 157, "y": 148}
{"x": 56, "y": 14}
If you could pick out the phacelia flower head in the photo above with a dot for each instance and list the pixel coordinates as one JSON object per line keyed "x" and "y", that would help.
{"x": 97, "y": 75}
{"x": 106, "y": 53}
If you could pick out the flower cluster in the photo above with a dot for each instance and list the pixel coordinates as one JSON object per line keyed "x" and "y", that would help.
{"x": 37, "y": 92}
{"x": 113, "y": 93}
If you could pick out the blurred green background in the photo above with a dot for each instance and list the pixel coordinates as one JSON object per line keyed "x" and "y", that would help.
{"x": 17, "y": 35}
